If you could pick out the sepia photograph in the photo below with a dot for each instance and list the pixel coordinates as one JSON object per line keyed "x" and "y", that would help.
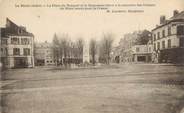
{"x": 91, "y": 56}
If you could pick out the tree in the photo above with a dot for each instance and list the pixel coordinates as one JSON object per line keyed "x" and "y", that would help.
{"x": 61, "y": 48}
{"x": 55, "y": 47}
{"x": 106, "y": 47}
{"x": 79, "y": 46}
{"x": 93, "y": 50}
{"x": 65, "y": 47}
{"x": 143, "y": 37}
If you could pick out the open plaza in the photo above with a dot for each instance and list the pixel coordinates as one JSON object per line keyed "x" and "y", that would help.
{"x": 115, "y": 88}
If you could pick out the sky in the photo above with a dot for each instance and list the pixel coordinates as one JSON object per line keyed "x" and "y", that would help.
{"x": 43, "y": 22}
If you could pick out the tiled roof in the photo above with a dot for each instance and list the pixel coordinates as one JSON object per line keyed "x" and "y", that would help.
{"x": 178, "y": 16}
{"x": 13, "y": 29}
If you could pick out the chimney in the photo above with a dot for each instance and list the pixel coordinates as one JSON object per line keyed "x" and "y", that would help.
{"x": 175, "y": 12}
{"x": 23, "y": 28}
{"x": 162, "y": 19}
{"x": 8, "y": 22}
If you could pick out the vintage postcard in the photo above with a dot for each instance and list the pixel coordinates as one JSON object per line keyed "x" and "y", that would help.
{"x": 92, "y": 56}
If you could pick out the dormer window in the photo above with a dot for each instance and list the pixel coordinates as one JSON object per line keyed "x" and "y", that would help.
{"x": 20, "y": 31}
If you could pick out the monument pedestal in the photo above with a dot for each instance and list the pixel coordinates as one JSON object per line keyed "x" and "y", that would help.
{"x": 86, "y": 58}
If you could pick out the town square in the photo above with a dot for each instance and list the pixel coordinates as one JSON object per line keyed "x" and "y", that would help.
{"x": 92, "y": 56}
{"x": 116, "y": 88}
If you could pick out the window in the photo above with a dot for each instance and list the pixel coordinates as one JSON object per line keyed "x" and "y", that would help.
{"x": 4, "y": 41}
{"x": 16, "y": 51}
{"x": 14, "y": 40}
{"x": 180, "y": 30}
{"x": 137, "y": 49}
{"x": 158, "y": 45}
{"x": 1, "y": 50}
{"x": 6, "y": 51}
{"x": 154, "y": 37}
{"x": 25, "y": 41}
{"x": 149, "y": 49}
{"x": 181, "y": 41}
{"x": 163, "y": 44}
{"x": 169, "y": 43}
{"x": 158, "y": 35}
{"x": 26, "y": 51}
{"x": 154, "y": 46}
{"x": 169, "y": 30}
{"x": 19, "y": 31}
{"x": 163, "y": 33}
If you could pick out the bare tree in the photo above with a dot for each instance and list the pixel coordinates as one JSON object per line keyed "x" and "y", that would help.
{"x": 61, "y": 47}
{"x": 106, "y": 47}
{"x": 79, "y": 45}
{"x": 66, "y": 51}
{"x": 93, "y": 50}
{"x": 55, "y": 47}
{"x": 65, "y": 48}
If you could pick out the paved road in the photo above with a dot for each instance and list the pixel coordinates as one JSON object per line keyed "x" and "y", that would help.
{"x": 139, "y": 88}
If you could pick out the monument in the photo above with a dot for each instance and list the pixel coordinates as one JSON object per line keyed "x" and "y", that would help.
{"x": 86, "y": 53}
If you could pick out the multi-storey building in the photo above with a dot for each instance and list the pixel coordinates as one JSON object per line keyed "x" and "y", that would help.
{"x": 126, "y": 43}
{"x": 168, "y": 39}
{"x": 133, "y": 46}
{"x": 44, "y": 54}
{"x": 141, "y": 53}
{"x": 16, "y": 46}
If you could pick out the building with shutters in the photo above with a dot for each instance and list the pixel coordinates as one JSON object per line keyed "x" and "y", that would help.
{"x": 168, "y": 39}
{"x": 16, "y": 46}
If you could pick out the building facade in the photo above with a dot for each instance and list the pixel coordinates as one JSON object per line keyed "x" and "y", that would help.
{"x": 168, "y": 39}
{"x": 136, "y": 47}
{"x": 44, "y": 54}
{"x": 16, "y": 46}
{"x": 141, "y": 53}
{"x": 126, "y": 44}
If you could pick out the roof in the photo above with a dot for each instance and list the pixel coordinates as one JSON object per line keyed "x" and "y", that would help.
{"x": 43, "y": 45}
{"x": 176, "y": 18}
{"x": 13, "y": 29}
{"x": 2, "y": 32}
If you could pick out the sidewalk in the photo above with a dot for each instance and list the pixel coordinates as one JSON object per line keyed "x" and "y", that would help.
{"x": 145, "y": 63}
